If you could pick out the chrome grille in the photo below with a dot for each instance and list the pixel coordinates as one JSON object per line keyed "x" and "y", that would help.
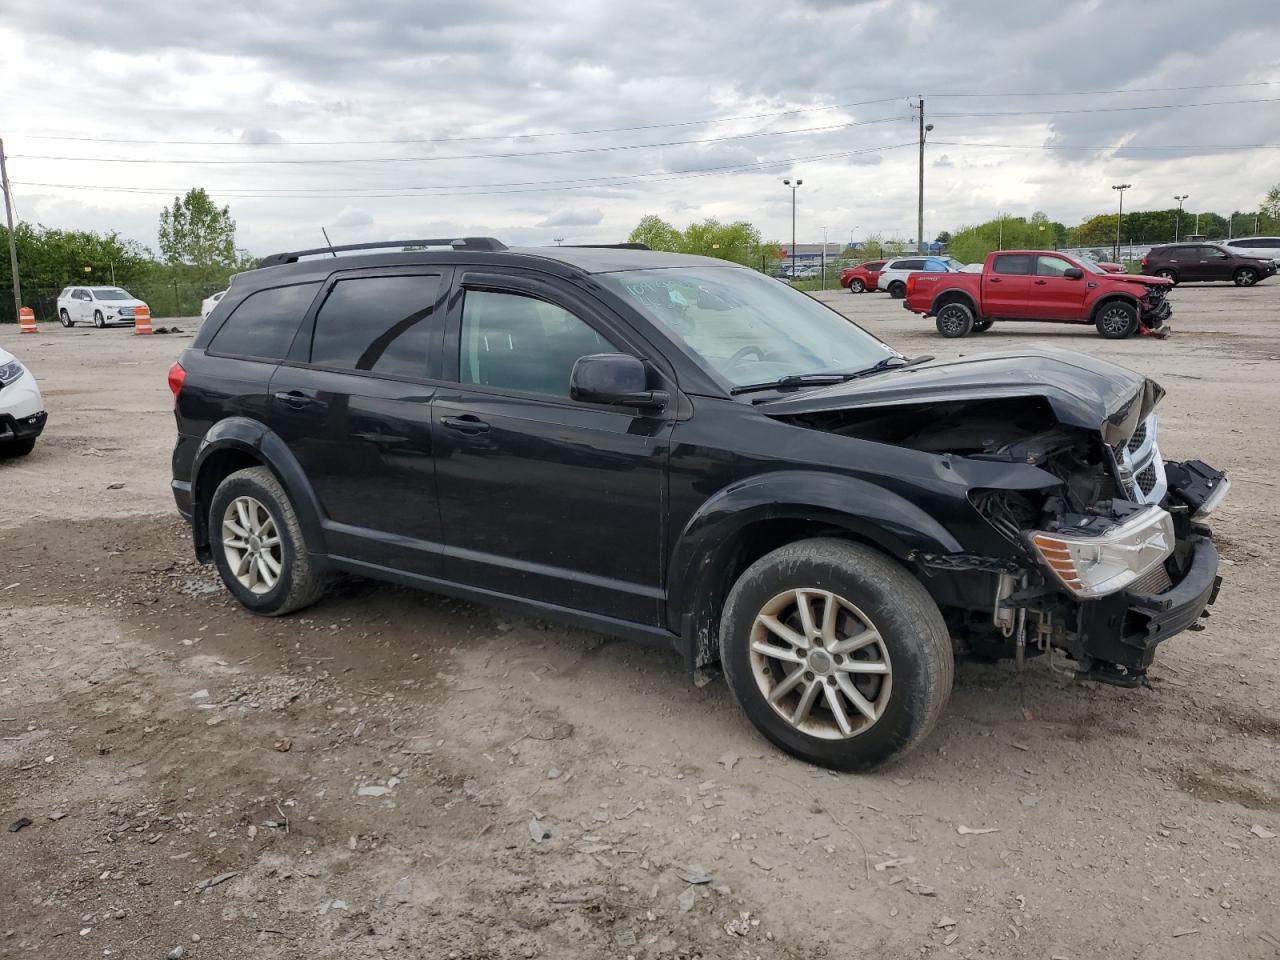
{"x": 1141, "y": 466}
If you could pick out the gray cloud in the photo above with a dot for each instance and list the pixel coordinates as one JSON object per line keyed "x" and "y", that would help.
{"x": 573, "y": 218}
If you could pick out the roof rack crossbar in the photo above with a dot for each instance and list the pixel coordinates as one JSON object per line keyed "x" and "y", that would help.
{"x": 458, "y": 243}
{"x": 609, "y": 246}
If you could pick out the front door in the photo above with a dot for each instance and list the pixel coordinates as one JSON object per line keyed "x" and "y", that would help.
{"x": 353, "y": 404}
{"x": 1006, "y": 287}
{"x": 543, "y": 497}
{"x": 82, "y": 306}
{"x": 1053, "y": 295}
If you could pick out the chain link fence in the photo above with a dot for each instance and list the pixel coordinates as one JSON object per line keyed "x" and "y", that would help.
{"x": 165, "y": 298}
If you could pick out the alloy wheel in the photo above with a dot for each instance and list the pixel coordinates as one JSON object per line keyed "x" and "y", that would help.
{"x": 1114, "y": 320}
{"x": 251, "y": 543}
{"x": 820, "y": 663}
{"x": 1245, "y": 278}
{"x": 952, "y": 320}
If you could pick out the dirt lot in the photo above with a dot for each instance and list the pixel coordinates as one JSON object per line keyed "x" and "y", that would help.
{"x": 360, "y": 779}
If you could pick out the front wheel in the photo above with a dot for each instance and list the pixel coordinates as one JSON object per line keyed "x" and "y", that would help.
{"x": 1167, "y": 275}
{"x": 954, "y": 320}
{"x": 897, "y": 289}
{"x": 1117, "y": 321}
{"x": 65, "y": 318}
{"x": 258, "y": 547}
{"x": 836, "y": 654}
{"x": 856, "y": 286}
{"x": 1245, "y": 277}
{"x": 18, "y": 448}
{"x": 97, "y": 319}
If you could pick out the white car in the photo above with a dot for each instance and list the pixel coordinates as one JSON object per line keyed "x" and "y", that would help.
{"x": 22, "y": 413}
{"x": 101, "y": 306}
{"x": 893, "y": 275}
{"x": 1264, "y": 248}
{"x": 208, "y": 303}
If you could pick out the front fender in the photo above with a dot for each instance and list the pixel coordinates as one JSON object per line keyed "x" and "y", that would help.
{"x": 704, "y": 552}
{"x": 251, "y": 437}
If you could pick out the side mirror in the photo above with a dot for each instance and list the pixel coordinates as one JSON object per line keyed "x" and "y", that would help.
{"x": 614, "y": 378}
{"x": 1073, "y": 273}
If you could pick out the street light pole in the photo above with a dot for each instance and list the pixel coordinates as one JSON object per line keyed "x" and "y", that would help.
{"x": 794, "y": 187}
{"x": 924, "y": 130}
{"x": 1122, "y": 187}
{"x": 1177, "y": 227}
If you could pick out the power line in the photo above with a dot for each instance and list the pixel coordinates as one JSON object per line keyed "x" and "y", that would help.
{"x": 1094, "y": 93}
{"x": 1109, "y": 146}
{"x": 337, "y": 193}
{"x": 500, "y": 136}
{"x": 1153, "y": 106}
{"x": 474, "y": 156}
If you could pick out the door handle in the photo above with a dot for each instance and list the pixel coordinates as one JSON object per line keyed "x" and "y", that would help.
{"x": 993, "y": 280}
{"x": 467, "y": 423}
{"x": 1040, "y": 283}
{"x": 295, "y": 399}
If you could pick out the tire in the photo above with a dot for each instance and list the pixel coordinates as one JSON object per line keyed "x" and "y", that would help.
{"x": 911, "y": 649}
{"x": 857, "y": 286}
{"x": 954, "y": 320}
{"x": 1245, "y": 277}
{"x": 17, "y": 448}
{"x": 1117, "y": 320}
{"x": 298, "y": 583}
{"x": 97, "y": 319}
{"x": 897, "y": 289}
{"x": 982, "y": 326}
{"x": 1167, "y": 274}
{"x": 65, "y": 318}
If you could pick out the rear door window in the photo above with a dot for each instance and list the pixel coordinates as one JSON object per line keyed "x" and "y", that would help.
{"x": 1013, "y": 264}
{"x": 380, "y": 325}
{"x": 263, "y": 325}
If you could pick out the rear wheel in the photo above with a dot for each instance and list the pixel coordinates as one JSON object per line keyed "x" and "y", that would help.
{"x": 1245, "y": 277}
{"x": 983, "y": 325}
{"x": 856, "y": 286}
{"x": 897, "y": 289}
{"x": 954, "y": 320}
{"x": 258, "y": 547}
{"x": 1167, "y": 274}
{"x": 65, "y": 318}
{"x": 1117, "y": 320}
{"x": 836, "y": 653}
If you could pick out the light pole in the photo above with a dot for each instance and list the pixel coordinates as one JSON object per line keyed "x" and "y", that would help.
{"x": 1177, "y": 227}
{"x": 558, "y": 240}
{"x": 924, "y": 131}
{"x": 1122, "y": 187}
{"x": 794, "y": 187}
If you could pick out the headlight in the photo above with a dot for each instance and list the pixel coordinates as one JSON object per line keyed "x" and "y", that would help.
{"x": 1096, "y": 565}
{"x": 11, "y": 371}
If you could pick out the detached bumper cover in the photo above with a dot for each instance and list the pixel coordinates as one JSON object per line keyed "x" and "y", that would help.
{"x": 1126, "y": 628}
{"x": 22, "y": 428}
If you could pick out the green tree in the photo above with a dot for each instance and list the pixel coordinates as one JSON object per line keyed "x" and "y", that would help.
{"x": 197, "y": 234}
{"x": 944, "y": 237}
{"x": 1270, "y": 207}
{"x": 656, "y": 233}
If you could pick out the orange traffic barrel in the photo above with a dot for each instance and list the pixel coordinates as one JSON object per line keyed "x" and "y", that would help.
{"x": 142, "y": 319}
{"x": 27, "y": 320}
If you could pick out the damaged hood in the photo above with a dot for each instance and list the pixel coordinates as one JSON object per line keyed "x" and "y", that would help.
{"x": 1081, "y": 390}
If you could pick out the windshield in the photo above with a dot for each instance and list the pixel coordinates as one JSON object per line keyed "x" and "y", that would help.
{"x": 1091, "y": 266}
{"x": 747, "y": 327}
{"x": 112, "y": 293}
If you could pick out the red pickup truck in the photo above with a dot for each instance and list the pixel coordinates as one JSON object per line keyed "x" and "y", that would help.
{"x": 1041, "y": 285}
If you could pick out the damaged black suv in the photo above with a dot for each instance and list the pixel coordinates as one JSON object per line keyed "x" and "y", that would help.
{"x": 681, "y": 450}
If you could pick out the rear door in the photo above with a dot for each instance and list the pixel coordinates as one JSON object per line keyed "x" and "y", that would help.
{"x": 1006, "y": 287}
{"x": 1053, "y": 295}
{"x": 353, "y": 403}
{"x": 534, "y": 484}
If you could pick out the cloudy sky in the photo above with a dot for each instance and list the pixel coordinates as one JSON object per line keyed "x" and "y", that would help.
{"x": 531, "y": 121}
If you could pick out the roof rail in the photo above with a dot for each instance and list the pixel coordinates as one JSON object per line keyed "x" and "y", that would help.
{"x": 463, "y": 243}
{"x": 610, "y": 246}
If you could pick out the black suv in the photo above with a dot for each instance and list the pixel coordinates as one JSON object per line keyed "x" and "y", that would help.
{"x": 1185, "y": 262}
{"x": 681, "y": 450}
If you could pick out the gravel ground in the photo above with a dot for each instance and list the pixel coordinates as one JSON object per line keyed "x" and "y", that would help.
{"x": 392, "y": 772}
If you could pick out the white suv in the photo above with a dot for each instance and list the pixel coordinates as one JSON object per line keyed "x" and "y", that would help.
{"x": 893, "y": 275}
{"x": 101, "y": 306}
{"x": 1264, "y": 248}
{"x": 22, "y": 414}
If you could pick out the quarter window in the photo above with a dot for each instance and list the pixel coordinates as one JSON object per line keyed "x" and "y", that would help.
{"x": 263, "y": 325}
{"x": 379, "y": 324}
{"x": 515, "y": 342}
{"x": 1014, "y": 264}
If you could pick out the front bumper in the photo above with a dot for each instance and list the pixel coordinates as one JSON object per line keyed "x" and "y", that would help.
{"x": 1125, "y": 628}
{"x": 22, "y": 428}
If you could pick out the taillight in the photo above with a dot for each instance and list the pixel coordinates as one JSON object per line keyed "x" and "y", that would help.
{"x": 177, "y": 376}
{"x": 911, "y": 284}
{"x": 1144, "y": 261}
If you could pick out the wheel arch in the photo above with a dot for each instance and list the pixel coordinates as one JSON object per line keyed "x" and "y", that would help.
{"x": 1113, "y": 297}
{"x": 954, "y": 296}
{"x": 236, "y": 444}
{"x": 742, "y": 523}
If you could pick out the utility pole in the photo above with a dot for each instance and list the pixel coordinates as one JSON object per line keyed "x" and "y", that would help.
{"x": 13, "y": 242}
{"x": 1177, "y": 229}
{"x": 924, "y": 129}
